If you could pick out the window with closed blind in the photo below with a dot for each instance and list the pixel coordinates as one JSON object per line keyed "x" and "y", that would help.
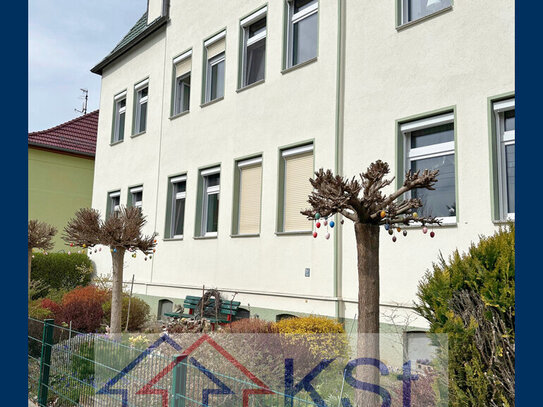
{"x": 296, "y": 168}
{"x": 181, "y": 89}
{"x": 248, "y": 197}
{"x": 215, "y": 57}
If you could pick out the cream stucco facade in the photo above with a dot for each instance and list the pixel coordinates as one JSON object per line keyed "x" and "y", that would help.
{"x": 368, "y": 75}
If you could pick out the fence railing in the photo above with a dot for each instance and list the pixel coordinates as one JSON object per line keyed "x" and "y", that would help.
{"x": 69, "y": 368}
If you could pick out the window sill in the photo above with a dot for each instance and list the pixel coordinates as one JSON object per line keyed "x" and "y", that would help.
{"x": 211, "y": 102}
{"x": 302, "y": 232}
{"x": 503, "y": 221}
{"x": 252, "y": 85}
{"x": 300, "y": 65}
{"x": 245, "y": 235}
{"x": 116, "y": 142}
{"x": 422, "y": 19}
{"x": 138, "y": 134}
{"x": 179, "y": 115}
{"x": 172, "y": 239}
{"x": 204, "y": 237}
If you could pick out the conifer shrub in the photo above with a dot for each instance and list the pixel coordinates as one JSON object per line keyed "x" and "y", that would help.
{"x": 139, "y": 312}
{"x": 471, "y": 297}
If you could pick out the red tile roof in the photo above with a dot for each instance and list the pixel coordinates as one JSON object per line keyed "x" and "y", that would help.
{"x": 76, "y": 136}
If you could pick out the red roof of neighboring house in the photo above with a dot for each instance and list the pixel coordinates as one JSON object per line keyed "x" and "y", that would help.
{"x": 76, "y": 136}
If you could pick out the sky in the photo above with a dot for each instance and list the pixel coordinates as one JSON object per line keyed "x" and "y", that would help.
{"x": 66, "y": 38}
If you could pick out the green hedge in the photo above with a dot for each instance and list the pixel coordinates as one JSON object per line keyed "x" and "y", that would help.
{"x": 61, "y": 270}
{"x": 472, "y": 298}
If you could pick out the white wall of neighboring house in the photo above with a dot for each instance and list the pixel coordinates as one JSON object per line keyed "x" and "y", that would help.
{"x": 458, "y": 58}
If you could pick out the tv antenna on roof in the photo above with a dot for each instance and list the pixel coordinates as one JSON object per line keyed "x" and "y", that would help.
{"x": 86, "y": 98}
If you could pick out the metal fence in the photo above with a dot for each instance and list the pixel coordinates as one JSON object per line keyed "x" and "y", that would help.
{"x": 69, "y": 368}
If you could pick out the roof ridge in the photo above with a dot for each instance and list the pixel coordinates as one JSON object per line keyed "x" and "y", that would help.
{"x": 64, "y": 124}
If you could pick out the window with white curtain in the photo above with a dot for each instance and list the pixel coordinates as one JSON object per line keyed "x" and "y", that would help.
{"x": 249, "y": 174}
{"x": 114, "y": 203}
{"x": 430, "y": 145}
{"x": 254, "y": 47}
{"x": 297, "y": 169}
{"x": 136, "y": 196}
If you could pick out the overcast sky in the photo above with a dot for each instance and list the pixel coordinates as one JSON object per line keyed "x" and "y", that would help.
{"x": 66, "y": 39}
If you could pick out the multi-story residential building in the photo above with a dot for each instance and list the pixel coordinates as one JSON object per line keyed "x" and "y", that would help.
{"x": 215, "y": 116}
{"x": 61, "y": 171}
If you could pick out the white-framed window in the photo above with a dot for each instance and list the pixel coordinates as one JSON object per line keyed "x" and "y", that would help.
{"x": 211, "y": 178}
{"x": 297, "y": 168}
{"x": 504, "y": 112}
{"x": 412, "y": 10}
{"x": 302, "y": 31}
{"x": 140, "y": 114}
{"x": 136, "y": 196}
{"x": 114, "y": 203}
{"x": 216, "y": 58}
{"x": 177, "y": 216}
{"x": 254, "y": 47}
{"x": 182, "y": 67}
{"x": 429, "y": 144}
{"x": 119, "y": 117}
{"x": 249, "y": 173}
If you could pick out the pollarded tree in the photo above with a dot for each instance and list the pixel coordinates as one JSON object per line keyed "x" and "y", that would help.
{"x": 121, "y": 232}
{"x": 40, "y": 236}
{"x": 363, "y": 202}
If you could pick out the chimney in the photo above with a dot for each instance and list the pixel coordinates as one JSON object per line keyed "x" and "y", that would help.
{"x": 156, "y": 9}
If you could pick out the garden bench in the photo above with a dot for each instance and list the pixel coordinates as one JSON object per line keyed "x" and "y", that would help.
{"x": 227, "y": 311}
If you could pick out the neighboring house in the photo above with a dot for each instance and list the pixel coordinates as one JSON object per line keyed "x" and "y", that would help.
{"x": 213, "y": 121}
{"x": 61, "y": 171}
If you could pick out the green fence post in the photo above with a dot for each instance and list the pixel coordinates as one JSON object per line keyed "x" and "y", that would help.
{"x": 179, "y": 384}
{"x": 45, "y": 361}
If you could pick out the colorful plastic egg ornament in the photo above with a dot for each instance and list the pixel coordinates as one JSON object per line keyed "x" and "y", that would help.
{"x": 150, "y": 257}
{"x": 415, "y": 215}
{"x": 325, "y": 223}
{"x": 318, "y": 224}
{"x": 332, "y": 224}
{"x": 390, "y": 231}
{"x": 432, "y": 234}
{"x": 424, "y": 230}
{"x": 394, "y": 238}
{"x": 315, "y": 234}
{"x": 383, "y": 214}
{"x": 69, "y": 252}
{"x": 71, "y": 245}
{"x": 327, "y": 236}
{"x": 387, "y": 226}
{"x": 399, "y": 229}
{"x": 317, "y": 215}
{"x": 146, "y": 259}
{"x": 84, "y": 245}
{"x": 99, "y": 249}
{"x": 342, "y": 221}
{"x": 405, "y": 232}
{"x": 114, "y": 250}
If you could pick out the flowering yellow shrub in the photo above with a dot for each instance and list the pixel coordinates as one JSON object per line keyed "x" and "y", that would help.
{"x": 312, "y": 324}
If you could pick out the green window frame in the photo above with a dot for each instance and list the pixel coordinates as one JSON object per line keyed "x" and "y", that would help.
{"x": 181, "y": 84}
{"x": 113, "y": 202}
{"x": 210, "y": 61}
{"x": 141, "y": 107}
{"x": 208, "y": 198}
{"x": 134, "y": 193}
{"x": 252, "y": 162}
{"x": 292, "y": 20}
{"x": 249, "y": 38}
{"x": 118, "y": 122}
{"x": 176, "y": 194}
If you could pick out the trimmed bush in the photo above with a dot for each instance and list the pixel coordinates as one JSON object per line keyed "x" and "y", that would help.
{"x": 83, "y": 306}
{"x": 52, "y": 306}
{"x": 62, "y": 271}
{"x": 250, "y": 325}
{"x": 139, "y": 312}
{"x": 312, "y": 324}
{"x": 472, "y": 298}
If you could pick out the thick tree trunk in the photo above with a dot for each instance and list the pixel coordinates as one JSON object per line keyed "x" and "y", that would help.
{"x": 117, "y": 291}
{"x": 367, "y": 244}
{"x": 29, "y": 265}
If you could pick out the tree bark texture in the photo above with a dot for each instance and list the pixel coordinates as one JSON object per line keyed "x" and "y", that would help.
{"x": 117, "y": 290}
{"x": 367, "y": 244}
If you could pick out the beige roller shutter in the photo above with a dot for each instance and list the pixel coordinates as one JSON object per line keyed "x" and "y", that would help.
{"x": 298, "y": 170}
{"x": 216, "y": 48}
{"x": 249, "y": 199}
{"x": 183, "y": 67}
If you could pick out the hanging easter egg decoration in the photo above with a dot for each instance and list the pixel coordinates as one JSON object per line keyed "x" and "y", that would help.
{"x": 405, "y": 232}
{"x": 332, "y": 223}
{"x": 390, "y": 231}
{"x": 99, "y": 249}
{"x": 314, "y": 234}
{"x": 387, "y": 226}
{"x": 383, "y": 214}
{"x": 325, "y": 223}
{"x": 146, "y": 259}
{"x": 399, "y": 229}
{"x": 150, "y": 257}
{"x": 71, "y": 245}
{"x": 327, "y": 236}
{"x": 415, "y": 215}
{"x": 317, "y": 215}
{"x": 154, "y": 250}
{"x": 342, "y": 221}
{"x": 394, "y": 238}
{"x": 84, "y": 245}
{"x": 424, "y": 229}
{"x": 95, "y": 250}
{"x": 318, "y": 224}
{"x": 432, "y": 234}
{"x": 69, "y": 253}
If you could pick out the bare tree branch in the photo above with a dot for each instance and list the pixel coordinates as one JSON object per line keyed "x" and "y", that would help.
{"x": 40, "y": 235}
